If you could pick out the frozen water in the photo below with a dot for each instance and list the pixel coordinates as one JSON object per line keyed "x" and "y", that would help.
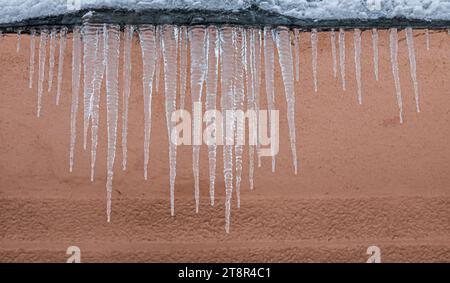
{"x": 62, "y": 50}
{"x": 357, "y": 43}
{"x": 333, "y": 51}
{"x": 314, "y": 56}
{"x": 128, "y": 34}
{"x": 18, "y": 41}
{"x": 342, "y": 56}
{"x": 42, "y": 59}
{"x": 32, "y": 55}
{"x": 53, "y": 35}
{"x": 375, "y": 52}
{"x": 393, "y": 42}
{"x": 197, "y": 71}
{"x": 297, "y": 53}
{"x": 412, "y": 65}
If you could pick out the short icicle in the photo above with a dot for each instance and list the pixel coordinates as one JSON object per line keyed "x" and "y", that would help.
{"x": 76, "y": 72}
{"x": 53, "y": 35}
{"x": 112, "y": 52}
{"x": 357, "y": 48}
{"x": 32, "y": 55}
{"x": 427, "y": 39}
{"x": 197, "y": 72}
{"x": 394, "y": 64}
{"x": 62, "y": 50}
{"x": 128, "y": 34}
{"x": 211, "y": 101}
{"x": 183, "y": 49}
{"x": 147, "y": 37}
{"x": 285, "y": 58}
{"x": 169, "y": 53}
{"x": 269, "y": 65}
{"x": 297, "y": 53}
{"x": 342, "y": 56}
{"x": 314, "y": 56}
{"x": 375, "y": 52}
{"x": 42, "y": 59}
{"x": 333, "y": 51}
{"x": 412, "y": 65}
{"x": 19, "y": 36}
{"x": 227, "y": 105}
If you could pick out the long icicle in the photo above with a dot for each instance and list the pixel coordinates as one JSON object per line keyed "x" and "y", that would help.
{"x": 62, "y": 50}
{"x": 285, "y": 57}
{"x": 342, "y": 56}
{"x": 42, "y": 59}
{"x": 197, "y": 71}
{"x": 239, "y": 107}
{"x": 53, "y": 35}
{"x": 251, "y": 105}
{"x": 394, "y": 64}
{"x": 147, "y": 36}
{"x": 412, "y": 65}
{"x": 314, "y": 56}
{"x": 90, "y": 49}
{"x": 211, "y": 101}
{"x": 169, "y": 48}
{"x": 227, "y": 105}
{"x": 357, "y": 48}
{"x": 99, "y": 73}
{"x": 269, "y": 65}
{"x": 76, "y": 68}
{"x": 129, "y": 31}
{"x": 32, "y": 55}
{"x": 112, "y": 52}
{"x": 257, "y": 81}
{"x": 333, "y": 51}
{"x": 375, "y": 52}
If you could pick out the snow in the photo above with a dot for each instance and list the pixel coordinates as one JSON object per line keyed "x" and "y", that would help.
{"x": 14, "y": 10}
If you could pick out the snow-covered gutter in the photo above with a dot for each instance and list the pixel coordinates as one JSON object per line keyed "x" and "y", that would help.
{"x": 304, "y": 14}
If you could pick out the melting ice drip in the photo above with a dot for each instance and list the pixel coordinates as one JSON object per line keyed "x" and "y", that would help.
{"x": 229, "y": 57}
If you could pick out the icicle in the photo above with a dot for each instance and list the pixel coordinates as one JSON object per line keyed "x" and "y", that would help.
{"x": 333, "y": 51}
{"x": 256, "y": 81}
{"x": 412, "y": 65}
{"x": 211, "y": 97}
{"x": 158, "y": 58}
{"x": 99, "y": 72}
{"x": 297, "y": 54}
{"x": 129, "y": 30}
{"x": 269, "y": 64}
{"x": 239, "y": 106}
{"x": 183, "y": 64}
{"x": 357, "y": 43}
{"x": 19, "y": 33}
{"x": 90, "y": 49}
{"x": 76, "y": 68}
{"x": 169, "y": 50}
{"x": 53, "y": 35}
{"x": 62, "y": 49}
{"x": 42, "y": 58}
{"x": 375, "y": 52}
{"x": 251, "y": 103}
{"x": 197, "y": 71}
{"x": 112, "y": 51}
{"x": 147, "y": 36}
{"x": 394, "y": 64}
{"x": 342, "y": 56}
{"x": 314, "y": 56}
{"x": 227, "y": 105}
{"x": 285, "y": 57}
{"x": 32, "y": 52}
{"x": 427, "y": 39}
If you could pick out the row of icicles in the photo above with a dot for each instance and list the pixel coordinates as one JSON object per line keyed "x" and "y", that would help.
{"x": 240, "y": 54}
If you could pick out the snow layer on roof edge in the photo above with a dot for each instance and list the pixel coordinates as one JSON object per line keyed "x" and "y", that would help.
{"x": 18, "y": 10}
